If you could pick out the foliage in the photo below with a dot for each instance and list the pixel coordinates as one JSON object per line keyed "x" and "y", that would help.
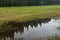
{"x": 27, "y": 2}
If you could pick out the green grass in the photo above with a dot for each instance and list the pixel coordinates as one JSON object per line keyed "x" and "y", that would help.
{"x": 27, "y": 13}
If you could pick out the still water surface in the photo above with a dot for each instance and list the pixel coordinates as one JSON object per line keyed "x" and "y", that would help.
{"x": 34, "y": 30}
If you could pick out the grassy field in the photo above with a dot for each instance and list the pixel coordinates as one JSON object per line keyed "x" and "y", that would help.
{"x": 27, "y": 13}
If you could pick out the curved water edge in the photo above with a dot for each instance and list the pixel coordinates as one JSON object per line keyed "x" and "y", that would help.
{"x": 42, "y": 29}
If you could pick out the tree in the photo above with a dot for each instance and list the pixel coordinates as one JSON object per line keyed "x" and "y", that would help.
{"x": 27, "y": 2}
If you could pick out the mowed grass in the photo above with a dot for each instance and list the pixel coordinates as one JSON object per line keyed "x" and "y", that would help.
{"x": 27, "y": 13}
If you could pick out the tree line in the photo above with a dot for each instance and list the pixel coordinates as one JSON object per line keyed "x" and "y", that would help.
{"x": 27, "y": 2}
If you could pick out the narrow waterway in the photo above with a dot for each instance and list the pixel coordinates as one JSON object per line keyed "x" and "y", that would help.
{"x": 34, "y": 30}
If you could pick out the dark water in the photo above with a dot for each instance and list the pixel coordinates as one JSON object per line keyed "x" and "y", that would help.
{"x": 34, "y": 30}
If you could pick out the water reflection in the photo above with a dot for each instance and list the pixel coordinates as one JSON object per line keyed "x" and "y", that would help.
{"x": 30, "y": 30}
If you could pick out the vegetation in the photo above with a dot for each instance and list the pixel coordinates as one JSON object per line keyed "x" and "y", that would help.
{"x": 27, "y": 13}
{"x": 27, "y": 2}
{"x": 55, "y": 38}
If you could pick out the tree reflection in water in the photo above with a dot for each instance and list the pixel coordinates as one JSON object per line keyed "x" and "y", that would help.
{"x": 9, "y": 34}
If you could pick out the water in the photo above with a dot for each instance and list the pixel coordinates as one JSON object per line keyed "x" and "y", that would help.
{"x": 34, "y": 30}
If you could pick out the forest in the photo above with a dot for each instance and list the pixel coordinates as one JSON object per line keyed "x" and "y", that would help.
{"x": 28, "y": 2}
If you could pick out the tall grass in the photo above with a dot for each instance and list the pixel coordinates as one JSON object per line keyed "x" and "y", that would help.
{"x": 27, "y": 13}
